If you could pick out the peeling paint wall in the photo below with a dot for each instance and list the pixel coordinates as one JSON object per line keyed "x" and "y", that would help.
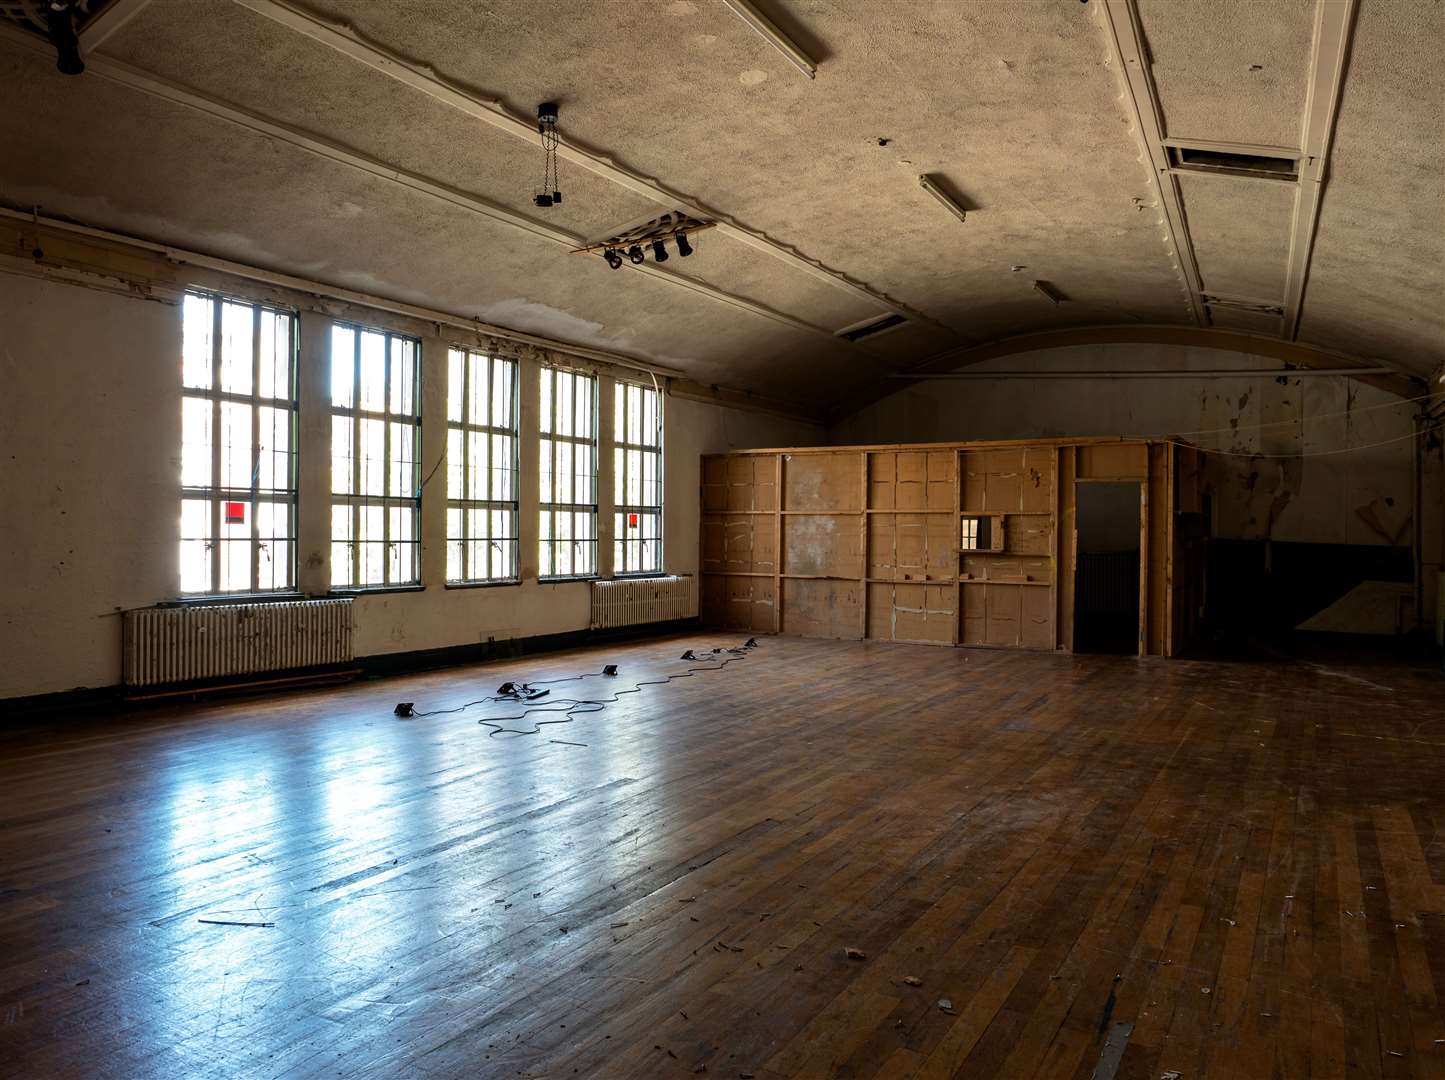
{"x": 1360, "y": 497}
{"x": 89, "y": 491}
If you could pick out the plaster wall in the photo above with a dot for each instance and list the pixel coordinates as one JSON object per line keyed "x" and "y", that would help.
{"x": 89, "y": 490}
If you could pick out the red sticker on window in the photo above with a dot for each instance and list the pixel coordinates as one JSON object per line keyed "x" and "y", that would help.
{"x": 235, "y": 513}
{"x": 632, "y": 521}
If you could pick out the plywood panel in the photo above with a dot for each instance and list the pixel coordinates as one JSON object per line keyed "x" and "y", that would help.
{"x": 1028, "y": 534}
{"x": 738, "y": 603}
{"x": 1160, "y": 521}
{"x": 738, "y": 543}
{"x": 991, "y": 567}
{"x": 1113, "y": 461}
{"x": 912, "y": 613}
{"x": 822, "y": 481}
{"x": 1036, "y": 629}
{"x": 923, "y": 613}
{"x": 1008, "y": 481}
{"x": 831, "y": 609}
{"x": 822, "y": 544}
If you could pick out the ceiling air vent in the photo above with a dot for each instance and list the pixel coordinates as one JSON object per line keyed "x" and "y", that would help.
{"x": 859, "y": 331}
{"x": 1234, "y": 163}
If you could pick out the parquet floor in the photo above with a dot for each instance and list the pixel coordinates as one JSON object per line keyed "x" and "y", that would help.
{"x": 1105, "y": 868}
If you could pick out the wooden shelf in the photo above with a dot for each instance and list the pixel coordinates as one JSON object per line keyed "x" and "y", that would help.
{"x": 1001, "y": 581}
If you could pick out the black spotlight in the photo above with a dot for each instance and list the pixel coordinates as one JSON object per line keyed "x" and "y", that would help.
{"x": 614, "y": 260}
{"x": 542, "y": 200}
{"x": 659, "y": 250}
{"x": 60, "y": 22}
{"x": 635, "y": 255}
{"x": 683, "y": 247}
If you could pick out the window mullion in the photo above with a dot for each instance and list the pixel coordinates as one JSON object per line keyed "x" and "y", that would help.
{"x": 255, "y": 544}
{"x": 355, "y": 500}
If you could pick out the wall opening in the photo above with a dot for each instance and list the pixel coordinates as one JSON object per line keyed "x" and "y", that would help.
{"x": 1106, "y": 583}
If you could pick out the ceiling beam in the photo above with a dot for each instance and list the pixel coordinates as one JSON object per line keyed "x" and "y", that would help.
{"x": 1334, "y": 26}
{"x": 424, "y": 78}
{"x": 1130, "y": 57}
{"x": 135, "y": 79}
{"x": 109, "y": 19}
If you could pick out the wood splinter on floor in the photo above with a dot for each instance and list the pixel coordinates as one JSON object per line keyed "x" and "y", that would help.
{"x": 230, "y": 922}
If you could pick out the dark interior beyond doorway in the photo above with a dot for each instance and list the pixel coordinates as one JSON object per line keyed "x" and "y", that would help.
{"x": 1106, "y": 593}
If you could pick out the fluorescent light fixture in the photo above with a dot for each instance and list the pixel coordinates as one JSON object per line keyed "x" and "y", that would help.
{"x": 765, "y": 27}
{"x": 1049, "y": 292}
{"x": 928, "y": 184}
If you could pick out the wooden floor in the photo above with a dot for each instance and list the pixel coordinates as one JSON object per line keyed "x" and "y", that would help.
{"x": 1053, "y": 866}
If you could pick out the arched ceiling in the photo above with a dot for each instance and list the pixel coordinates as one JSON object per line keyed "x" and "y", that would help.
{"x": 387, "y": 146}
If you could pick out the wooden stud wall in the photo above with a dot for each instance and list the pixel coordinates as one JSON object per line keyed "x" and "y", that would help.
{"x": 868, "y": 542}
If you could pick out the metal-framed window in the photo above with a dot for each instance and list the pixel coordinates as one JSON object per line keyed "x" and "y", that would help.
{"x": 481, "y": 467}
{"x": 567, "y": 544}
{"x": 375, "y": 469}
{"x": 238, "y": 447}
{"x": 637, "y": 480}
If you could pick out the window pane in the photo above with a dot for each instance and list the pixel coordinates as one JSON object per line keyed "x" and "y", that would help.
{"x": 342, "y": 433}
{"x": 544, "y": 422}
{"x": 373, "y": 371}
{"x": 237, "y": 458}
{"x": 403, "y": 376}
{"x": 237, "y": 339}
{"x": 456, "y": 466}
{"x": 196, "y": 322}
{"x": 456, "y": 372}
{"x": 274, "y": 449}
{"x": 196, "y": 415}
{"x": 342, "y": 567}
{"x": 343, "y": 364}
{"x": 276, "y": 352}
{"x": 401, "y": 471}
{"x": 373, "y": 457}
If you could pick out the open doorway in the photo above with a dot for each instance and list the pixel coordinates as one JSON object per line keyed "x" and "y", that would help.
{"x": 1106, "y": 584}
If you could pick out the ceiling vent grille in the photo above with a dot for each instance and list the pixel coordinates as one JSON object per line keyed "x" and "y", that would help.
{"x": 859, "y": 331}
{"x": 1234, "y": 163}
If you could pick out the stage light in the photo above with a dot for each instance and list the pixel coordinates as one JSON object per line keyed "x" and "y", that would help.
{"x": 683, "y": 247}
{"x": 635, "y": 255}
{"x": 614, "y": 259}
{"x": 659, "y": 250}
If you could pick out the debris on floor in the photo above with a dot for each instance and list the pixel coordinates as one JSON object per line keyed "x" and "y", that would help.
{"x": 232, "y": 922}
{"x": 855, "y": 954}
{"x": 912, "y": 980}
{"x": 945, "y": 1005}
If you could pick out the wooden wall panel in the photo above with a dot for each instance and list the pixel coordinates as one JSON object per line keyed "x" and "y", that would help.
{"x": 738, "y": 603}
{"x": 822, "y": 545}
{"x": 829, "y": 609}
{"x": 822, "y": 481}
{"x": 866, "y": 541}
{"x": 1113, "y": 461}
{"x": 1157, "y": 556}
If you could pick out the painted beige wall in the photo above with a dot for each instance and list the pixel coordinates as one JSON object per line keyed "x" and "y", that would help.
{"x": 89, "y": 490}
{"x": 1319, "y": 499}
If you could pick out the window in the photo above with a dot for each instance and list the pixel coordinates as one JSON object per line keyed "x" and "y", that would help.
{"x": 375, "y": 436}
{"x": 238, "y": 447}
{"x": 568, "y": 471}
{"x": 982, "y": 533}
{"x": 637, "y": 480}
{"x": 481, "y": 467}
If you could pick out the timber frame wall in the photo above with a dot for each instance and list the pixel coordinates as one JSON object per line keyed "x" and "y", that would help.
{"x": 867, "y": 542}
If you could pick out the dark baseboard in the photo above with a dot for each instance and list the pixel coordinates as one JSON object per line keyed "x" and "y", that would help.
{"x": 92, "y": 700}
{"x": 482, "y": 652}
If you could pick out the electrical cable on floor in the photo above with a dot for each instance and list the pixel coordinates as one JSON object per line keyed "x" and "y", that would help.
{"x": 569, "y": 708}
